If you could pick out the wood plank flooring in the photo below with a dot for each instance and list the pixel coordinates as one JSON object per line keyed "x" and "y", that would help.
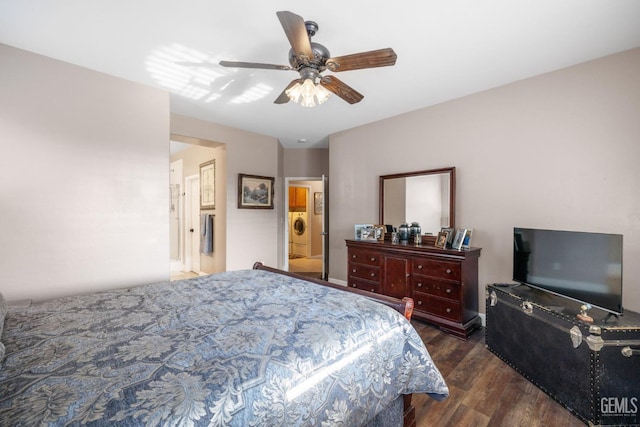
{"x": 483, "y": 390}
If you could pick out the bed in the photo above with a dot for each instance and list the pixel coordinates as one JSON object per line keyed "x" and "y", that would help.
{"x": 255, "y": 347}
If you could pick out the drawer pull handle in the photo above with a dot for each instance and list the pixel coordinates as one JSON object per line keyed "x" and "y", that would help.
{"x": 420, "y": 267}
{"x": 373, "y": 259}
{"x": 448, "y": 271}
{"x": 373, "y": 290}
{"x": 448, "y": 310}
{"x": 354, "y": 270}
{"x": 354, "y": 286}
{"x": 448, "y": 290}
{"x": 373, "y": 274}
{"x": 419, "y": 302}
{"x": 420, "y": 284}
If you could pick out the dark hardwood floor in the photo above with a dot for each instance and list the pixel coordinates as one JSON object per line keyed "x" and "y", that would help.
{"x": 483, "y": 390}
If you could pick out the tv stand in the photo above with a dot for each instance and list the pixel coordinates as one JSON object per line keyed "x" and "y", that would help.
{"x": 609, "y": 316}
{"x": 592, "y": 369}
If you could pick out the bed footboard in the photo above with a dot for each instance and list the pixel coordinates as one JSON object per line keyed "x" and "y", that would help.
{"x": 404, "y": 306}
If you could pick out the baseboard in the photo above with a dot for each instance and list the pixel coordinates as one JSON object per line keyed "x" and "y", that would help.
{"x": 337, "y": 281}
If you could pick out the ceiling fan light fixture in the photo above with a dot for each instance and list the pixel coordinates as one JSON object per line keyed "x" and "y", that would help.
{"x": 294, "y": 92}
{"x": 322, "y": 94}
{"x": 308, "y": 94}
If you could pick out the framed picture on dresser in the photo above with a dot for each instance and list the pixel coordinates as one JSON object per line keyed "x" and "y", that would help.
{"x": 442, "y": 239}
{"x": 459, "y": 239}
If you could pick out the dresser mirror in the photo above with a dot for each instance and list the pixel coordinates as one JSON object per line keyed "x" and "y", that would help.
{"x": 426, "y": 197}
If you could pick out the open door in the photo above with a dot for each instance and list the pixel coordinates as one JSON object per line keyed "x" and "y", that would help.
{"x": 325, "y": 227}
{"x": 307, "y": 255}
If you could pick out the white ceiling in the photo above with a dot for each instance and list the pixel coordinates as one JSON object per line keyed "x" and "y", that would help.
{"x": 446, "y": 49}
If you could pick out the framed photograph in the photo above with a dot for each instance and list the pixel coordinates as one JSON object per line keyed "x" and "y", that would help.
{"x": 317, "y": 203}
{"x": 466, "y": 242}
{"x": 358, "y": 230}
{"x": 450, "y": 237}
{"x": 442, "y": 239}
{"x": 208, "y": 185}
{"x": 255, "y": 192}
{"x": 379, "y": 231}
{"x": 457, "y": 241}
{"x": 368, "y": 233}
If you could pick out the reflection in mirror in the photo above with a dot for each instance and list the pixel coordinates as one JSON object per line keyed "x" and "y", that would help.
{"x": 426, "y": 197}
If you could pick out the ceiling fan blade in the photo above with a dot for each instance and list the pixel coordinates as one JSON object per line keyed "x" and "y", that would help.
{"x": 283, "y": 98}
{"x": 240, "y": 64}
{"x": 342, "y": 90}
{"x": 356, "y": 61}
{"x": 195, "y": 64}
{"x": 296, "y": 32}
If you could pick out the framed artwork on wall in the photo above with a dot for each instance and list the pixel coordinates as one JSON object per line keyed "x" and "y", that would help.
{"x": 255, "y": 192}
{"x": 208, "y": 185}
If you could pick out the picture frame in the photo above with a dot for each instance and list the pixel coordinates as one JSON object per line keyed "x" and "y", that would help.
{"x": 442, "y": 239}
{"x": 450, "y": 237}
{"x": 457, "y": 241}
{"x": 208, "y": 185}
{"x": 358, "y": 230}
{"x": 255, "y": 192}
{"x": 466, "y": 242}
{"x": 379, "y": 230}
{"x": 318, "y": 203}
{"x": 368, "y": 233}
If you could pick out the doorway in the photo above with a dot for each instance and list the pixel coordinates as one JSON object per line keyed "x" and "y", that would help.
{"x": 192, "y": 224}
{"x": 305, "y": 251}
{"x": 193, "y": 154}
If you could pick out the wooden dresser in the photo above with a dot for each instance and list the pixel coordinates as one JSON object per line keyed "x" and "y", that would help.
{"x": 442, "y": 282}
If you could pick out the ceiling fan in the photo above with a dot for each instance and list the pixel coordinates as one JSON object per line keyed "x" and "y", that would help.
{"x": 310, "y": 59}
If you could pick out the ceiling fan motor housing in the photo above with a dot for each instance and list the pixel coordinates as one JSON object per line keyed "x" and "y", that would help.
{"x": 320, "y": 55}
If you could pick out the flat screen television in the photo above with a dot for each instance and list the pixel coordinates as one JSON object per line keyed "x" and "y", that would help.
{"x": 586, "y": 267}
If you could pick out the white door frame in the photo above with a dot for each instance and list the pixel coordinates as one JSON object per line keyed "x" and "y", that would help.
{"x": 325, "y": 252}
{"x": 191, "y": 224}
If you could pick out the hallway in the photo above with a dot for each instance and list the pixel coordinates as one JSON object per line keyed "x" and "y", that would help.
{"x": 306, "y": 266}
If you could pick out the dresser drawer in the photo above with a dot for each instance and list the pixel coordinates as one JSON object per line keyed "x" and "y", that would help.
{"x": 363, "y": 271}
{"x": 442, "y": 269}
{"x": 365, "y": 285}
{"x": 442, "y": 307}
{"x": 439, "y": 288}
{"x": 364, "y": 257}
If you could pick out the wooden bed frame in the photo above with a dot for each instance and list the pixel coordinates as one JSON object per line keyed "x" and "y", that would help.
{"x": 404, "y": 306}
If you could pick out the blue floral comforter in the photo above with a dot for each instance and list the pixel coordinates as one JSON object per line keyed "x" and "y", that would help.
{"x": 245, "y": 348}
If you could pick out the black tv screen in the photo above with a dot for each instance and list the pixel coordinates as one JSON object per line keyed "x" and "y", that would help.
{"x": 586, "y": 267}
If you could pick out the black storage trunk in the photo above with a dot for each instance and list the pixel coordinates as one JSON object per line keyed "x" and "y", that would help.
{"x": 592, "y": 369}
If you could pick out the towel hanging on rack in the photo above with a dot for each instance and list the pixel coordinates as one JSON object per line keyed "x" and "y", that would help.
{"x": 206, "y": 233}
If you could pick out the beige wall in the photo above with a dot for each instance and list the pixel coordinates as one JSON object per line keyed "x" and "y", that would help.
{"x": 556, "y": 151}
{"x": 252, "y": 234}
{"x": 192, "y": 158}
{"x": 306, "y": 163}
{"x": 83, "y": 179}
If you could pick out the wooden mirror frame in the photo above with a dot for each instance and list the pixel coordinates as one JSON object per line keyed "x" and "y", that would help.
{"x": 452, "y": 190}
